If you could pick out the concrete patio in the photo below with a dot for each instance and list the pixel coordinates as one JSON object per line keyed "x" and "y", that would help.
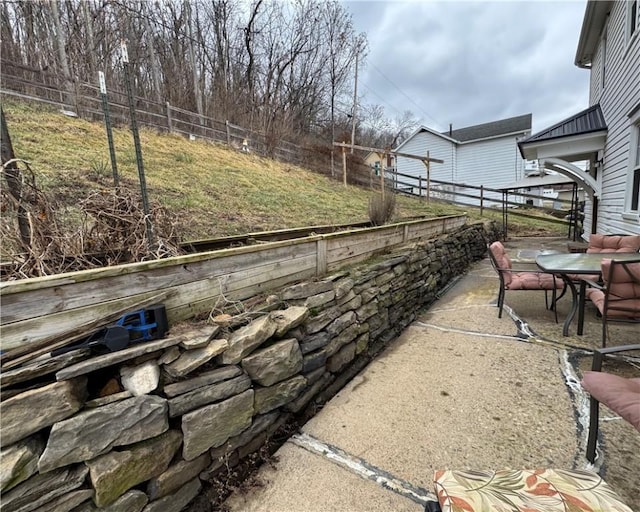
{"x": 460, "y": 389}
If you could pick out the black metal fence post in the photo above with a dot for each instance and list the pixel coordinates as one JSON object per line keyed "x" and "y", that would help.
{"x": 107, "y": 122}
{"x": 136, "y": 142}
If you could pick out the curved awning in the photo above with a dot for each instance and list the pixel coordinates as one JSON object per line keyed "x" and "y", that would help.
{"x": 580, "y": 176}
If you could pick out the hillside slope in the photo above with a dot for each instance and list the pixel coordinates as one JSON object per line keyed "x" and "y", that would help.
{"x": 211, "y": 190}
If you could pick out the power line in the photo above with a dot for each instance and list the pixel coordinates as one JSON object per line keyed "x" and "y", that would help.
{"x": 405, "y": 94}
{"x": 382, "y": 99}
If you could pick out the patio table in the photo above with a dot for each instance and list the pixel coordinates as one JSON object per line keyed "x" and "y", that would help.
{"x": 566, "y": 265}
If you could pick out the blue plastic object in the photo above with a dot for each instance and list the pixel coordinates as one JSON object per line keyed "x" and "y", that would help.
{"x": 142, "y": 325}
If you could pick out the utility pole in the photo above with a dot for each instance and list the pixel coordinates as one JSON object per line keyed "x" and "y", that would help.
{"x": 136, "y": 143}
{"x": 355, "y": 102}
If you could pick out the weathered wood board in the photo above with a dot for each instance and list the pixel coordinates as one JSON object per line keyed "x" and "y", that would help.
{"x": 35, "y": 309}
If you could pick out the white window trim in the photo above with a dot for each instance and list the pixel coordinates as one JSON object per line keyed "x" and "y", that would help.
{"x": 634, "y": 136}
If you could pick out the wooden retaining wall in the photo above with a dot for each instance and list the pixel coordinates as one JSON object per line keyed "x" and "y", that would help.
{"x": 34, "y": 310}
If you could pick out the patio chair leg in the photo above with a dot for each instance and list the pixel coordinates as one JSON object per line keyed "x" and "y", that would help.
{"x": 554, "y": 304}
{"x": 593, "y": 429}
{"x": 605, "y": 330}
{"x": 500, "y": 301}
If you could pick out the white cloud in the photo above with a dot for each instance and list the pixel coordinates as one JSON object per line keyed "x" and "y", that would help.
{"x": 473, "y": 62}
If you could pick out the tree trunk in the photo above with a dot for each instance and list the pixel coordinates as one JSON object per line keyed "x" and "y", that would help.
{"x": 93, "y": 66}
{"x": 192, "y": 57}
{"x": 13, "y": 176}
{"x": 153, "y": 62}
{"x": 62, "y": 52}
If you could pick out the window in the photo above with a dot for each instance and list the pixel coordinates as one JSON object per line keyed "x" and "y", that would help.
{"x": 632, "y": 202}
{"x": 635, "y": 172}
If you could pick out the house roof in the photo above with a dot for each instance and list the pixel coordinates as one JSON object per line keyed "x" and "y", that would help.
{"x": 587, "y": 121}
{"x": 547, "y": 180}
{"x": 518, "y": 124}
{"x": 595, "y": 16}
{"x": 493, "y": 129}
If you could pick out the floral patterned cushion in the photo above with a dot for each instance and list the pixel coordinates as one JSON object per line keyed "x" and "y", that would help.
{"x": 537, "y": 490}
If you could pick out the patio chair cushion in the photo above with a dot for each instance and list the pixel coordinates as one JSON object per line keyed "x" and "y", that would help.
{"x": 503, "y": 261}
{"x": 533, "y": 281}
{"x": 614, "y": 243}
{"x": 622, "y": 289}
{"x": 619, "y": 394}
{"x": 539, "y": 490}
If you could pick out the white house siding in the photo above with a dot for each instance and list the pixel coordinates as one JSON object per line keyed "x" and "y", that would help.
{"x": 493, "y": 163}
{"x": 620, "y": 95}
{"x": 438, "y": 147}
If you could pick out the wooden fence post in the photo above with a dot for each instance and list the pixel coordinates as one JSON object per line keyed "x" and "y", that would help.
{"x": 428, "y": 178}
{"x": 344, "y": 166}
{"x": 169, "y": 120}
{"x": 76, "y": 96}
{"x": 481, "y": 199}
{"x": 321, "y": 257}
{"x": 420, "y": 188}
{"x": 226, "y": 123}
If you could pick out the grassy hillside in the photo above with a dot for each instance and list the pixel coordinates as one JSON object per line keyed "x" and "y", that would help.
{"x": 211, "y": 189}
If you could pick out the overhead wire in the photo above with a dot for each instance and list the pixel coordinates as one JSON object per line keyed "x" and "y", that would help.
{"x": 405, "y": 94}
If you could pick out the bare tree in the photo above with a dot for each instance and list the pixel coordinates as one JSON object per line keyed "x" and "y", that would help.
{"x": 284, "y": 68}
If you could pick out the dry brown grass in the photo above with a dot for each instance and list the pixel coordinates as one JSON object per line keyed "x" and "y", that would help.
{"x": 213, "y": 190}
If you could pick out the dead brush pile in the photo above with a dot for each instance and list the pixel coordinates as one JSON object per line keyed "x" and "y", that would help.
{"x": 41, "y": 237}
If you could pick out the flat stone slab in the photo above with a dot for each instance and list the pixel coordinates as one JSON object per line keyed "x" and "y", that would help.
{"x": 19, "y": 461}
{"x": 42, "y": 367}
{"x": 274, "y": 363}
{"x": 95, "y": 431}
{"x": 178, "y": 500}
{"x": 182, "y": 404}
{"x": 204, "y": 379}
{"x": 212, "y": 425}
{"x": 28, "y": 412}
{"x": 116, "y": 472}
{"x": 41, "y": 489}
{"x": 176, "y": 476}
{"x": 193, "y": 359}
{"x": 95, "y": 363}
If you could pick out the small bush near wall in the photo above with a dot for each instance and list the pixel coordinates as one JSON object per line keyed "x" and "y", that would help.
{"x": 143, "y": 429}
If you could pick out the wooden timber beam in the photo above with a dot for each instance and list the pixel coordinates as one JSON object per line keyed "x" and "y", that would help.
{"x": 384, "y": 151}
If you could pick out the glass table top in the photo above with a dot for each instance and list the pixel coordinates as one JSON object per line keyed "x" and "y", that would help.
{"x": 580, "y": 263}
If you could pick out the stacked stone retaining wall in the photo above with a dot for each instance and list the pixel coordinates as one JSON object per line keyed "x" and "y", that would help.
{"x": 142, "y": 429}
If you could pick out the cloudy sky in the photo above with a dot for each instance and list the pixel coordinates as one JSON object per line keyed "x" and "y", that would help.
{"x": 472, "y": 62}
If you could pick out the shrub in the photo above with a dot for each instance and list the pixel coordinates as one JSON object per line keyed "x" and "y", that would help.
{"x": 381, "y": 209}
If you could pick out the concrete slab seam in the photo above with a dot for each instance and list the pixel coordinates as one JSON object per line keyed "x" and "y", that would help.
{"x": 459, "y": 308}
{"x": 473, "y": 333}
{"x": 524, "y": 331}
{"x": 580, "y": 401}
{"x": 363, "y": 469}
